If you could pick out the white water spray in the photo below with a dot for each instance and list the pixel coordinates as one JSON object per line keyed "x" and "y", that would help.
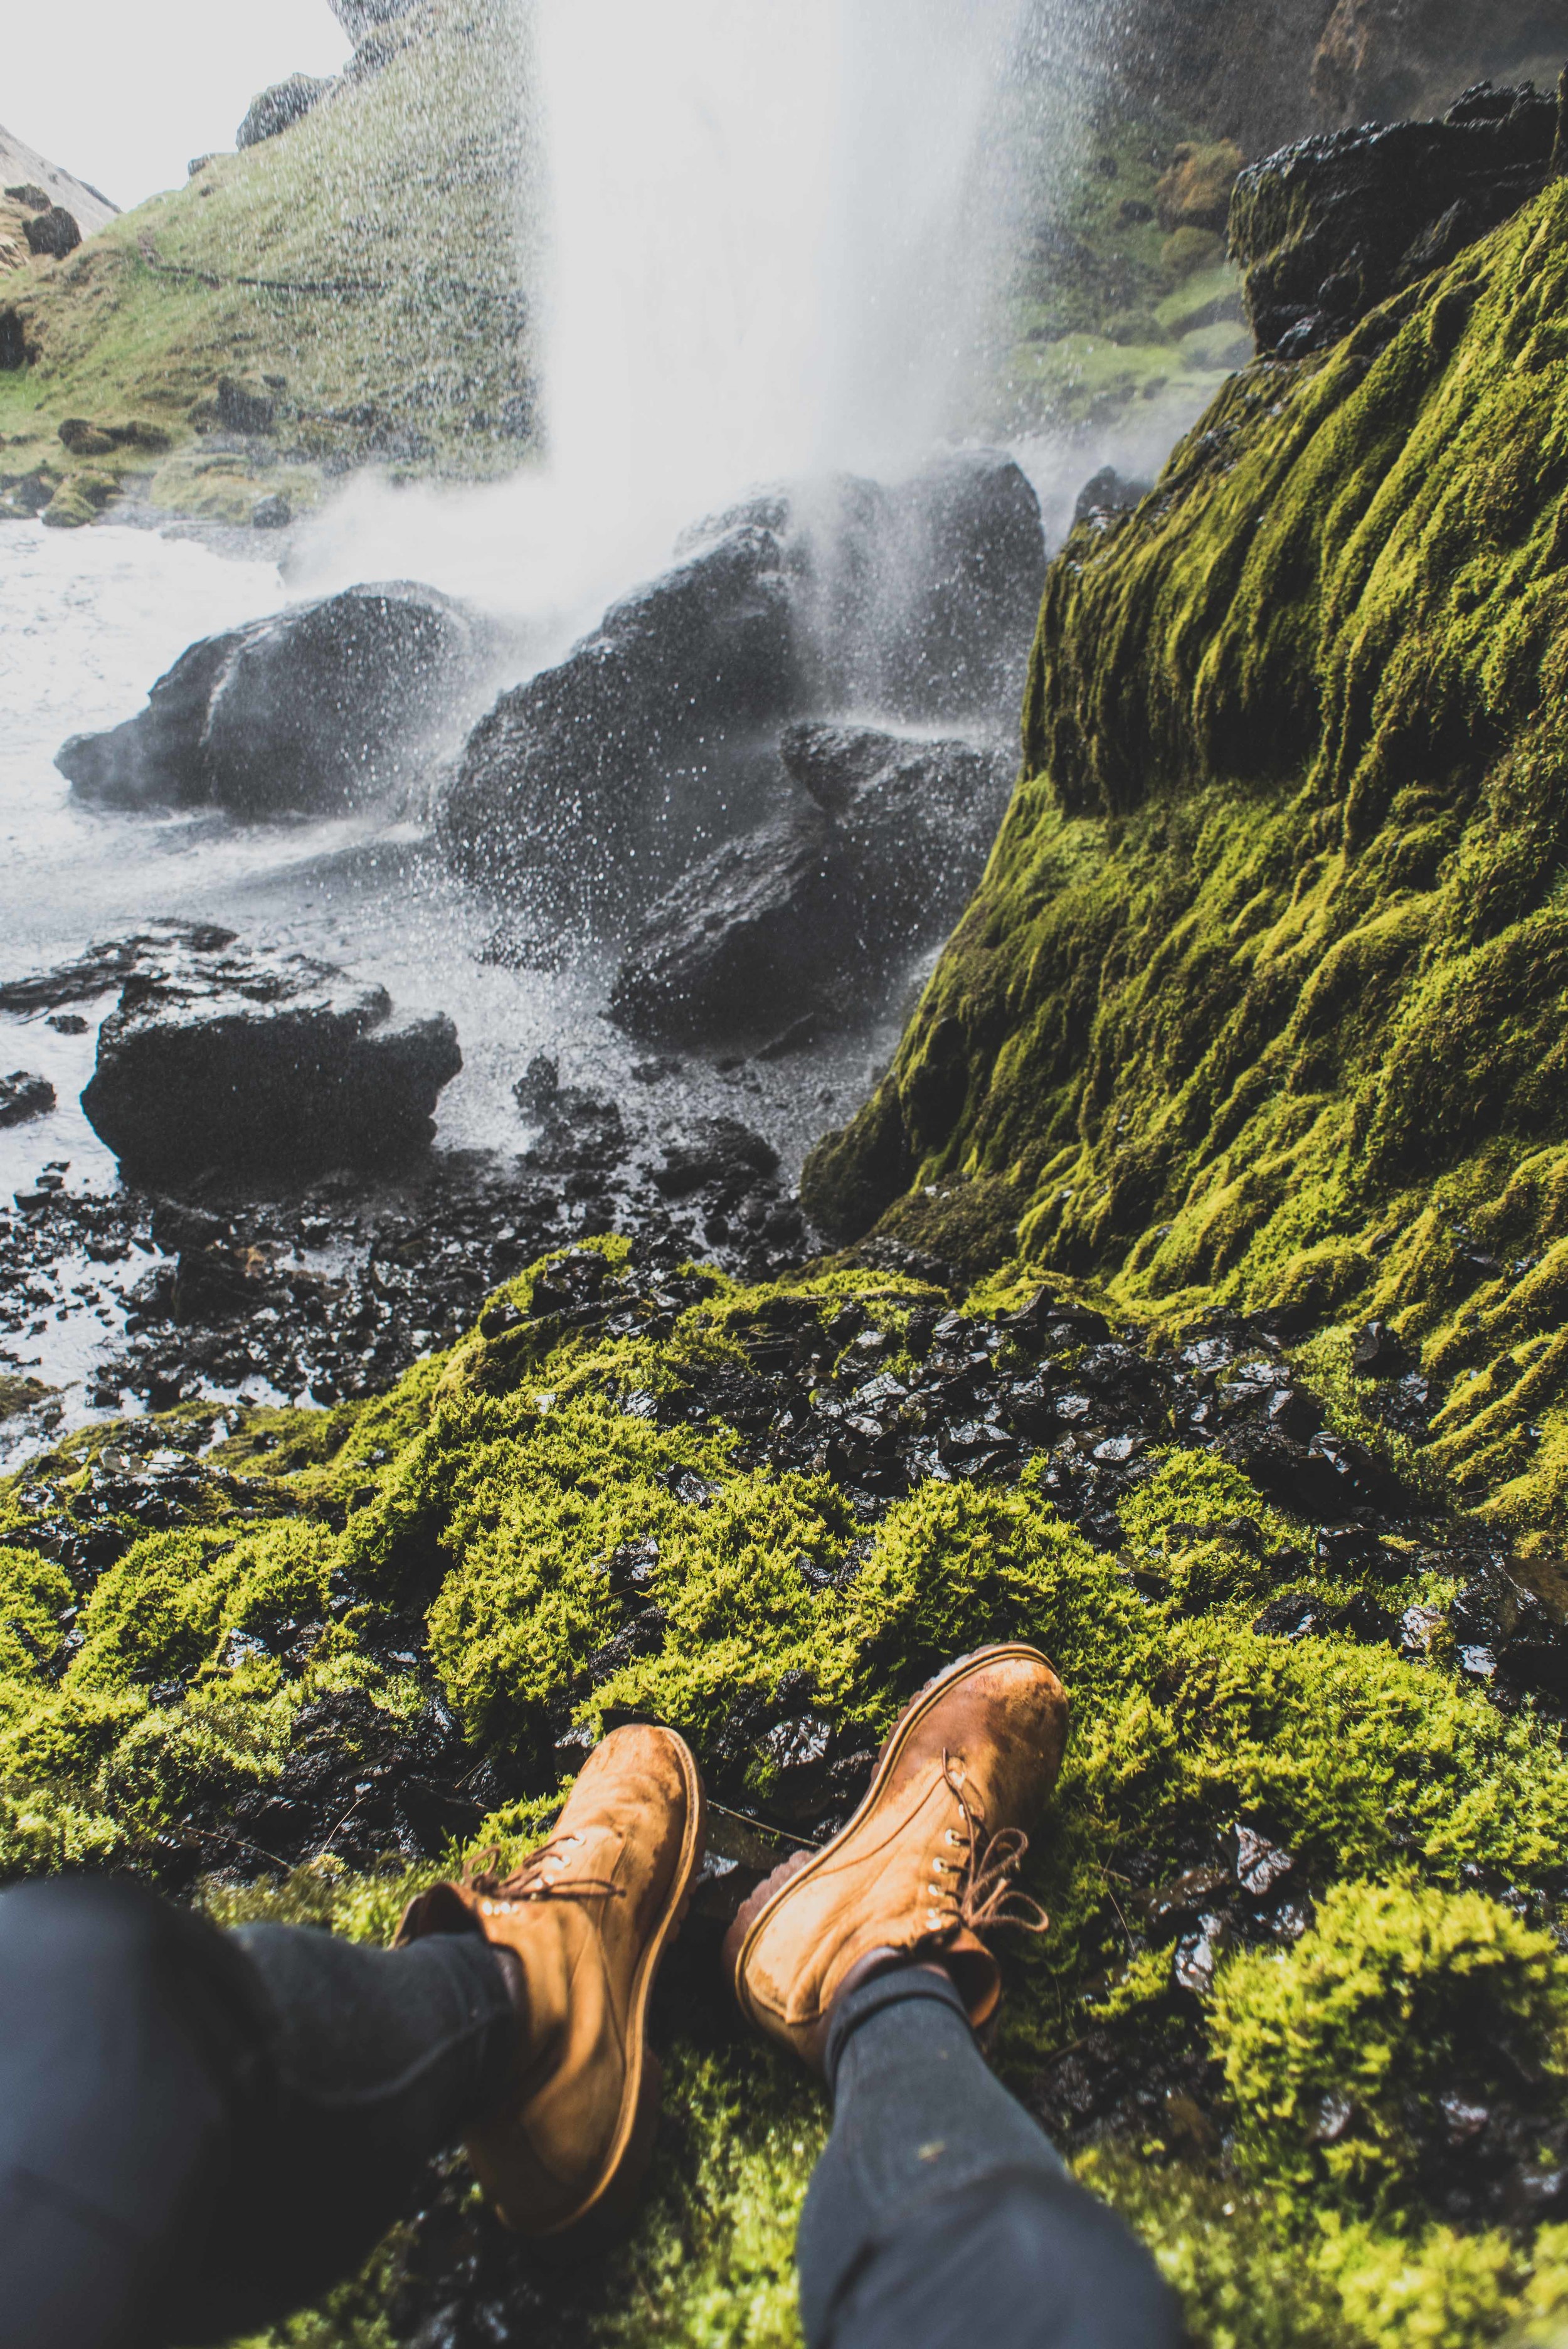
{"x": 770, "y": 236}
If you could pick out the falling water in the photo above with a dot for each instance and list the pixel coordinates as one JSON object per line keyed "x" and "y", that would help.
{"x": 771, "y": 232}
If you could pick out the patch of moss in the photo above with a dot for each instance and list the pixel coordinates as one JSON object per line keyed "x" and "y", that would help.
{"x": 1262, "y": 999}
{"x": 1124, "y": 260}
{"x": 1336, "y": 2053}
{"x": 497, "y": 1495}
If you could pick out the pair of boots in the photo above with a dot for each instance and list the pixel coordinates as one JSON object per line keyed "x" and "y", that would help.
{"x": 920, "y": 1872}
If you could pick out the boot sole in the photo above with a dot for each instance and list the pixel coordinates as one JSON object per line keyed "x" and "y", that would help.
{"x": 775, "y": 1889}
{"x": 606, "y": 2212}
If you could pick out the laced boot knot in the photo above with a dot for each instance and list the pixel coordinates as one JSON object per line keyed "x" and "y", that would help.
{"x": 976, "y": 1890}
{"x": 538, "y": 1877}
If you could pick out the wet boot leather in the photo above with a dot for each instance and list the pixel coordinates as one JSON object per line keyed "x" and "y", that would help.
{"x": 587, "y": 1918}
{"x": 923, "y": 1867}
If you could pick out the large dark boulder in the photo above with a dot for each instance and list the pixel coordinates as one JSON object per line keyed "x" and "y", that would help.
{"x": 225, "y": 1056}
{"x": 606, "y": 771}
{"x": 280, "y": 107}
{"x": 54, "y": 233}
{"x": 817, "y": 907}
{"x": 312, "y": 710}
{"x": 1329, "y": 229}
{"x": 961, "y": 569}
{"x": 599, "y": 782}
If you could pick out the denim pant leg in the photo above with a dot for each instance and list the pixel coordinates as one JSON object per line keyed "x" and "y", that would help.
{"x": 941, "y": 2217}
{"x": 199, "y": 2130}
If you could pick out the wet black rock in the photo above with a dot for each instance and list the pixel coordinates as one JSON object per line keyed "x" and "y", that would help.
{"x": 596, "y": 773}
{"x": 741, "y": 942}
{"x": 818, "y": 905}
{"x": 313, "y": 710}
{"x": 24, "y": 1097}
{"x": 247, "y": 408}
{"x": 600, "y": 782}
{"x": 223, "y": 1055}
{"x": 278, "y": 108}
{"x": 1378, "y": 1353}
{"x": 1504, "y": 1630}
{"x": 1327, "y": 230}
{"x": 714, "y": 1150}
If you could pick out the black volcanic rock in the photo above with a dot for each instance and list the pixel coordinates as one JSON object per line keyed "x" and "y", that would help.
{"x": 278, "y": 108}
{"x": 23, "y": 1096}
{"x": 963, "y": 568}
{"x": 54, "y": 233}
{"x": 599, "y": 782}
{"x": 822, "y": 902}
{"x": 1328, "y": 229}
{"x": 311, "y": 710}
{"x": 232, "y": 1057}
{"x": 598, "y": 772}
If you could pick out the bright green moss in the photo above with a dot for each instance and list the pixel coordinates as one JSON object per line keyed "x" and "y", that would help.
{"x": 1262, "y": 999}
{"x": 33, "y": 1593}
{"x": 167, "y": 1606}
{"x": 1336, "y": 2052}
{"x": 523, "y": 1461}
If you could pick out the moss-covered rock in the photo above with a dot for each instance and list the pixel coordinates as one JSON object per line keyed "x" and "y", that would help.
{"x": 1261, "y": 999}
{"x": 562, "y": 1522}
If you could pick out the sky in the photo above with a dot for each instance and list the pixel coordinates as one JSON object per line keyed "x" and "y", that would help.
{"x": 124, "y": 97}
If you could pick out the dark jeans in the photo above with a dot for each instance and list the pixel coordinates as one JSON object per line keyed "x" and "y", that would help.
{"x": 200, "y": 2131}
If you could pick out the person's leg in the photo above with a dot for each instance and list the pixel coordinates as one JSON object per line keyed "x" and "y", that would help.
{"x": 939, "y": 2216}
{"x": 200, "y": 2130}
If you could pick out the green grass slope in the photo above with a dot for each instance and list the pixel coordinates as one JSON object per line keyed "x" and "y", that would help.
{"x": 1263, "y": 998}
{"x": 470, "y": 1515}
{"x": 363, "y": 272}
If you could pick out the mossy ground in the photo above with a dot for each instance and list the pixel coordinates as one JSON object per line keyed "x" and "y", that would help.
{"x": 1125, "y": 320}
{"x": 369, "y": 258}
{"x": 1262, "y": 999}
{"x": 486, "y": 1497}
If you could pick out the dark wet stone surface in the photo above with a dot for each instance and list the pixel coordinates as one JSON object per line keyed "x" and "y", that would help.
{"x": 874, "y": 859}
{"x": 309, "y": 710}
{"x": 23, "y": 1096}
{"x": 1328, "y": 229}
{"x": 220, "y": 1054}
{"x": 327, "y": 1290}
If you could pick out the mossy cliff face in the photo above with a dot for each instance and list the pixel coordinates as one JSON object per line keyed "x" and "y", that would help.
{"x": 1262, "y": 999}
{"x": 579, "y": 1514}
{"x": 356, "y": 280}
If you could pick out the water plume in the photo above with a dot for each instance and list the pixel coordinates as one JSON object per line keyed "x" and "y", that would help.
{"x": 767, "y": 243}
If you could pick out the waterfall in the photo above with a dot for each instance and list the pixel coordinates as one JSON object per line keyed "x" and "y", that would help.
{"x": 769, "y": 231}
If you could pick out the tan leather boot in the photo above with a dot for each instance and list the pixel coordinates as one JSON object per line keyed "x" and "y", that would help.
{"x": 587, "y": 1917}
{"x": 924, "y": 1867}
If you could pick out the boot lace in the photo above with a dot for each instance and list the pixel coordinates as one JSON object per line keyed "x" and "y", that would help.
{"x": 538, "y": 1877}
{"x": 985, "y": 1894}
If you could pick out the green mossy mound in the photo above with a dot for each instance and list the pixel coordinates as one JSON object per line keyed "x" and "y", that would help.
{"x": 359, "y": 276}
{"x": 1262, "y": 1001}
{"x": 485, "y": 1506}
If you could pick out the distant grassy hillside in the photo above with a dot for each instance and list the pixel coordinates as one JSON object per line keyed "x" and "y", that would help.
{"x": 1127, "y": 314}
{"x": 357, "y": 281}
